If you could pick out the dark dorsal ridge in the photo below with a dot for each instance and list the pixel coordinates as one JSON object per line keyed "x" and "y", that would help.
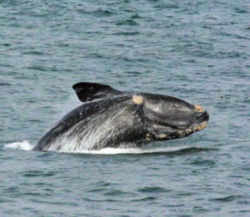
{"x": 91, "y": 91}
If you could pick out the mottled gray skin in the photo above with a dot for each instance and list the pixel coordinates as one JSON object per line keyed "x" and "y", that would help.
{"x": 111, "y": 118}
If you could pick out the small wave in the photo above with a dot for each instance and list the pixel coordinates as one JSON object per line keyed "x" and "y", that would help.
{"x": 226, "y": 198}
{"x": 152, "y": 189}
{"x": 23, "y": 145}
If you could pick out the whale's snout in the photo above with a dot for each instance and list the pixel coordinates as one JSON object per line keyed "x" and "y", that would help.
{"x": 201, "y": 114}
{"x": 201, "y": 118}
{"x": 174, "y": 118}
{"x": 201, "y": 121}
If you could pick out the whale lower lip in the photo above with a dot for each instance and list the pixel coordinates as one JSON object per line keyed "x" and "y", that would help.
{"x": 197, "y": 127}
{"x": 201, "y": 126}
{"x": 194, "y": 128}
{"x": 183, "y": 133}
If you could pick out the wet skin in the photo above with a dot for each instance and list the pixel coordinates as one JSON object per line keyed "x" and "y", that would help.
{"x": 114, "y": 118}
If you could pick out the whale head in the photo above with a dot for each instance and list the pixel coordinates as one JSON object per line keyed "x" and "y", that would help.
{"x": 167, "y": 117}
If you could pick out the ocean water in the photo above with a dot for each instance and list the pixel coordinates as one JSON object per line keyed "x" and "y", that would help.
{"x": 195, "y": 50}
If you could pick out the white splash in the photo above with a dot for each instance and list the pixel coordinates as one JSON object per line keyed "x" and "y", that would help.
{"x": 27, "y": 146}
{"x": 113, "y": 151}
{"x": 23, "y": 145}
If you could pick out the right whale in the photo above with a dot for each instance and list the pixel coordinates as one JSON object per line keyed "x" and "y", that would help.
{"x": 112, "y": 118}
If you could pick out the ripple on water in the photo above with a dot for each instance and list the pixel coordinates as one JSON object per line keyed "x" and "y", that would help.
{"x": 172, "y": 47}
{"x": 5, "y": 84}
{"x": 127, "y": 22}
{"x": 115, "y": 192}
{"x": 153, "y": 189}
{"x": 143, "y": 199}
{"x": 225, "y": 199}
{"x": 201, "y": 162}
{"x": 126, "y": 33}
{"x": 96, "y": 13}
{"x": 38, "y": 173}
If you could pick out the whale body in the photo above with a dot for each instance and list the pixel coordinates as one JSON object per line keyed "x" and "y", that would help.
{"x": 112, "y": 118}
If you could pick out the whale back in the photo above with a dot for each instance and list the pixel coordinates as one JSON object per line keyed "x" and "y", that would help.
{"x": 88, "y": 123}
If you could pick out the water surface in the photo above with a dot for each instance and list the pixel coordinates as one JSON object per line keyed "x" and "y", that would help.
{"x": 196, "y": 50}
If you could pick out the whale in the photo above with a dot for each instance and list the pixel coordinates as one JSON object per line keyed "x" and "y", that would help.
{"x": 110, "y": 118}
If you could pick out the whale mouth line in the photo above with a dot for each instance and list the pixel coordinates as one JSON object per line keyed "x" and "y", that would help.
{"x": 183, "y": 133}
{"x": 194, "y": 128}
{"x": 201, "y": 126}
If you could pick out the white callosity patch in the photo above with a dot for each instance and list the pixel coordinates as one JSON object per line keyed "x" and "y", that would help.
{"x": 137, "y": 99}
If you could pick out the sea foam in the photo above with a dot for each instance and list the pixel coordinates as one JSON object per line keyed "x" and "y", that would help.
{"x": 23, "y": 145}
{"x": 27, "y": 146}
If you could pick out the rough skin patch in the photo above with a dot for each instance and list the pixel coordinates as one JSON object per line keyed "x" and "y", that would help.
{"x": 188, "y": 131}
{"x": 202, "y": 126}
{"x": 162, "y": 136}
{"x": 137, "y": 99}
{"x": 198, "y": 108}
{"x": 148, "y": 137}
{"x": 199, "y": 127}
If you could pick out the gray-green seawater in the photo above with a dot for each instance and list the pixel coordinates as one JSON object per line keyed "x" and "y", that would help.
{"x": 196, "y": 50}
